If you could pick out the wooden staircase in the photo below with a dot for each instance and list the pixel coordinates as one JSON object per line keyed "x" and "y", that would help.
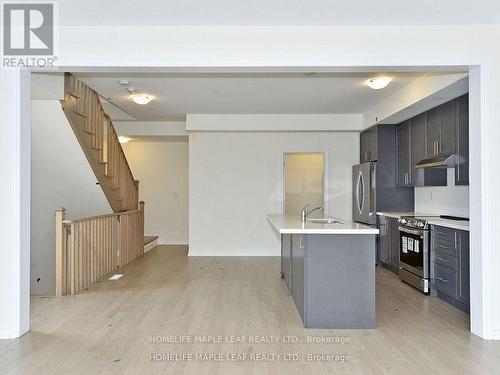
{"x": 97, "y": 136}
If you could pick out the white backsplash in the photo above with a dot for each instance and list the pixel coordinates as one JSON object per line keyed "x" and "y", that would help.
{"x": 443, "y": 200}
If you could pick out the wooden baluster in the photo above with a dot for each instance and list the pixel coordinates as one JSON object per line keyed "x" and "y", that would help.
{"x": 72, "y": 258}
{"x": 61, "y": 239}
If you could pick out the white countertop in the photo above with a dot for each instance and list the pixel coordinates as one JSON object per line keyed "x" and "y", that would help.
{"x": 291, "y": 224}
{"x": 454, "y": 224}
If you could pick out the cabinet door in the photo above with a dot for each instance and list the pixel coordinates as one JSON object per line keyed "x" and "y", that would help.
{"x": 448, "y": 128}
{"x": 403, "y": 149}
{"x": 384, "y": 241}
{"x": 433, "y": 131}
{"x": 394, "y": 248}
{"x": 364, "y": 147}
{"x": 463, "y": 282}
{"x": 462, "y": 141}
{"x": 417, "y": 135}
{"x": 372, "y": 152}
{"x": 297, "y": 282}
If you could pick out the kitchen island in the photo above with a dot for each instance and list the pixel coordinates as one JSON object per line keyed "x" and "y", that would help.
{"x": 329, "y": 270}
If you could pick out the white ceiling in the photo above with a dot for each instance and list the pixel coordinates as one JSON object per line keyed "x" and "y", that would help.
{"x": 278, "y": 12}
{"x": 254, "y": 93}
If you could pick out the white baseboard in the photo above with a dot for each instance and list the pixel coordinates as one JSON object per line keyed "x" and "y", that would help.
{"x": 4, "y": 333}
{"x": 235, "y": 253}
{"x": 495, "y": 334}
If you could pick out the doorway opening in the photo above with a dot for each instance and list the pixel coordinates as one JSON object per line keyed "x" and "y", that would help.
{"x": 304, "y": 181}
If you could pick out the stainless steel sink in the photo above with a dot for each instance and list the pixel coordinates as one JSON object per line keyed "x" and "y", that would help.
{"x": 324, "y": 221}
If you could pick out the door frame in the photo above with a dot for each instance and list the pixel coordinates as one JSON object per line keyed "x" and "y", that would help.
{"x": 16, "y": 172}
{"x": 325, "y": 177}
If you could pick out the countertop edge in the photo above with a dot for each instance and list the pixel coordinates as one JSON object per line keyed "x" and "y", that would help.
{"x": 349, "y": 231}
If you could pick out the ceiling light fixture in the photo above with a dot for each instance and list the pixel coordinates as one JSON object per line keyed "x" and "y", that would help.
{"x": 141, "y": 99}
{"x": 123, "y": 139}
{"x": 378, "y": 83}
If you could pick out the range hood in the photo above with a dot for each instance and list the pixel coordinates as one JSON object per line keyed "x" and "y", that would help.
{"x": 441, "y": 161}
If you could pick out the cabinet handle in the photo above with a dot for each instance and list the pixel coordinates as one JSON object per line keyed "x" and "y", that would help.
{"x": 443, "y": 280}
{"x": 442, "y": 246}
{"x": 442, "y": 259}
{"x": 455, "y": 239}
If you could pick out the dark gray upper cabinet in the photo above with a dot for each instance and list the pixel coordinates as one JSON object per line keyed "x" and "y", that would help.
{"x": 433, "y": 131}
{"x": 373, "y": 133}
{"x": 417, "y": 134}
{"x": 462, "y": 141}
{"x": 368, "y": 150}
{"x": 403, "y": 155}
{"x": 446, "y": 143}
{"x": 364, "y": 147}
{"x": 439, "y": 131}
{"x": 427, "y": 176}
{"x": 441, "y": 128}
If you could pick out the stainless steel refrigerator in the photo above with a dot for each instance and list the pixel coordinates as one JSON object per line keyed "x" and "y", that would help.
{"x": 374, "y": 190}
{"x": 364, "y": 193}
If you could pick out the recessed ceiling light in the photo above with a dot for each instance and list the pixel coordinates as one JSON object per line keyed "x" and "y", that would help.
{"x": 378, "y": 83}
{"x": 141, "y": 99}
{"x": 123, "y": 139}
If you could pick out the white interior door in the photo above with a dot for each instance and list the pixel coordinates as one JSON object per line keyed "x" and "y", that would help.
{"x": 304, "y": 180}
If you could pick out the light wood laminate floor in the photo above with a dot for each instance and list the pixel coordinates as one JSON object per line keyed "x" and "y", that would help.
{"x": 108, "y": 328}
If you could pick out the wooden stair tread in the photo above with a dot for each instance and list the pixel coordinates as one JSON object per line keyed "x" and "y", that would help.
{"x": 80, "y": 113}
{"x": 149, "y": 239}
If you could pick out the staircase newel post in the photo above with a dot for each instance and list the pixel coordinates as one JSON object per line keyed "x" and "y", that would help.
{"x": 141, "y": 225}
{"x": 60, "y": 250}
{"x": 137, "y": 192}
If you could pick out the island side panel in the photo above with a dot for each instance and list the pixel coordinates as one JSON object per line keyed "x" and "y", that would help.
{"x": 340, "y": 281}
{"x": 297, "y": 274}
{"x": 286, "y": 253}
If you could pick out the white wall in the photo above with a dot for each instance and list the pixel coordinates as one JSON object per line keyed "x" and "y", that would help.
{"x": 235, "y": 179}
{"x": 61, "y": 177}
{"x": 443, "y": 200}
{"x": 162, "y": 171}
{"x": 273, "y": 122}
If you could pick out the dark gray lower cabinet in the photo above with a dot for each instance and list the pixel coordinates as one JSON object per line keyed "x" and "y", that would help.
{"x": 332, "y": 279}
{"x": 388, "y": 243}
{"x": 450, "y": 265}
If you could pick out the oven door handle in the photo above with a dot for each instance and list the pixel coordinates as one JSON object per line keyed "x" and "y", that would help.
{"x": 416, "y": 232}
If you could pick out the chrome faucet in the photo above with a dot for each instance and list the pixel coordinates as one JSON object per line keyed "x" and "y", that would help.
{"x": 304, "y": 213}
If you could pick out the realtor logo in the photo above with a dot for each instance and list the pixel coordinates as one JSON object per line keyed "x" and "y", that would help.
{"x": 28, "y": 31}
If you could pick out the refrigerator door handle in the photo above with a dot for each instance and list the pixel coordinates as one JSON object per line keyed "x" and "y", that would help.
{"x": 360, "y": 192}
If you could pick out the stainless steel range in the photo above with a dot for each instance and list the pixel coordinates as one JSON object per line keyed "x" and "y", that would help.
{"x": 414, "y": 255}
